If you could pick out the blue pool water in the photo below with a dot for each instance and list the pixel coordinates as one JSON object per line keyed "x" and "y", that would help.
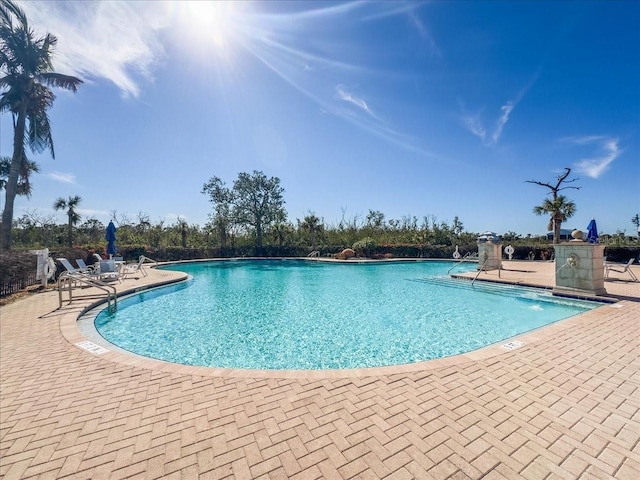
{"x": 287, "y": 314}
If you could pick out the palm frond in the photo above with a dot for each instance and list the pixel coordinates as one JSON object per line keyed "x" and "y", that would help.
{"x": 38, "y": 134}
{"x": 60, "y": 204}
{"x": 9, "y": 9}
{"x": 59, "y": 80}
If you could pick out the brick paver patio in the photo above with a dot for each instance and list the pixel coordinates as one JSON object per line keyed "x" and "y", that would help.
{"x": 565, "y": 405}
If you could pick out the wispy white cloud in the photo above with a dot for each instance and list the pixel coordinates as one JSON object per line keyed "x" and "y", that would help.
{"x": 473, "y": 122}
{"x": 381, "y": 10}
{"x": 69, "y": 178}
{"x": 116, "y": 41}
{"x": 90, "y": 212}
{"x": 502, "y": 121}
{"x": 584, "y": 139}
{"x": 331, "y": 11}
{"x": 606, "y": 150}
{"x": 425, "y": 34}
{"x": 175, "y": 217}
{"x": 344, "y": 94}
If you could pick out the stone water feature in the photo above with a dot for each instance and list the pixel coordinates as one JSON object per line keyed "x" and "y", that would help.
{"x": 489, "y": 251}
{"x": 579, "y": 266}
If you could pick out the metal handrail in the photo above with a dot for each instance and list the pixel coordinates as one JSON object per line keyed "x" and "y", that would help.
{"x": 67, "y": 279}
{"x": 315, "y": 253}
{"x": 147, "y": 259}
{"x": 468, "y": 257}
{"x": 480, "y": 270}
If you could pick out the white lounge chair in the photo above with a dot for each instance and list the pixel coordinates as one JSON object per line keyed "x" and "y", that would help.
{"x": 75, "y": 273}
{"x": 68, "y": 267}
{"x": 626, "y": 268}
{"x": 134, "y": 268}
{"x": 86, "y": 269}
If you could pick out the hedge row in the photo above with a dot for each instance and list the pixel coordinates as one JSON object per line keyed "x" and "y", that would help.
{"x": 18, "y": 269}
{"x": 132, "y": 252}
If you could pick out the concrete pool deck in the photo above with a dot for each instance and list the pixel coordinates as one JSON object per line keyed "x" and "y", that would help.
{"x": 564, "y": 404}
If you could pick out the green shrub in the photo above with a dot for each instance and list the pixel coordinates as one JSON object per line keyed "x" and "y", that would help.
{"x": 17, "y": 271}
{"x": 364, "y": 247}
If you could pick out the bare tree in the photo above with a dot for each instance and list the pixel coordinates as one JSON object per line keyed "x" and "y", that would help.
{"x": 120, "y": 219}
{"x": 559, "y": 207}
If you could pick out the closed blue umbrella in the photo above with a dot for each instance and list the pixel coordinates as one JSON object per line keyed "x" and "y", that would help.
{"x": 111, "y": 239}
{"x": 592, "y": 232}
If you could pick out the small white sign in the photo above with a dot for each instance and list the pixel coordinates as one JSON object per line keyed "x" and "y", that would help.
{"x": 92, "y": 347}
{"x": 513, "y": 345}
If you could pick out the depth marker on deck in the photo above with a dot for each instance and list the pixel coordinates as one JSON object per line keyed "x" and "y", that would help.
{"x": 92, "y": 347}
{"x": 513, "y": 345}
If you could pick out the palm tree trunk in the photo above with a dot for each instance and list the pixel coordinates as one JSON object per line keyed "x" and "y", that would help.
{"x": 556, "y": 230}
{"x": 70, "y": 232}
{"x": 12, "y": 180}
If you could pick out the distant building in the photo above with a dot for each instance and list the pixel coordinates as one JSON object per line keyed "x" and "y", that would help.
{"x": 565, "y": 234}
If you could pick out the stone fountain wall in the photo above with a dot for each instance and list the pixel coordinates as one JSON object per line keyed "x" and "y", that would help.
{"x": 489, "y": 255}
{"x": 579, "y": 268}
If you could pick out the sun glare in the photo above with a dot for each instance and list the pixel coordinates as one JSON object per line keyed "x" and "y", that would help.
{"x": 210, "y": 24}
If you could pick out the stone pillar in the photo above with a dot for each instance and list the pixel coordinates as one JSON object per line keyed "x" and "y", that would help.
{"x": 579, "y": 267}
{"x": 489, "y": 251}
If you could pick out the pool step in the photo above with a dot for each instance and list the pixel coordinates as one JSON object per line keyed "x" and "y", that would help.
{"x": 502, "y": 289}
{"x": 485, "y": 287}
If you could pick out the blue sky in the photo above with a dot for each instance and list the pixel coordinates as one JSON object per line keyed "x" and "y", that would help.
{"x": 436, "y": 109}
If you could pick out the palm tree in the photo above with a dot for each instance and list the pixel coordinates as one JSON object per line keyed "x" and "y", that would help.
{"x": 636, "y": 221}
{"x": 27, "y": 73}
{"x": 313, "y": 225}
{"x": 27, "y": 168}
{"x": 74, "y": 217}
{"x": 559, "y": 208}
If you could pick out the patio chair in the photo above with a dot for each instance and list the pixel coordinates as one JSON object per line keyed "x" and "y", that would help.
{"x": 76, "y": 274}
{"x": 109, "y": 271}
{"x": 134, "y": 268}
{"x": 86, "y": 269}
{"x": 626, "y": 268}
{"x": 68, "y": 267}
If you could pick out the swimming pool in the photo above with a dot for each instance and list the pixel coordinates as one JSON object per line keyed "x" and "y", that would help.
{"x": 288, "y": 314}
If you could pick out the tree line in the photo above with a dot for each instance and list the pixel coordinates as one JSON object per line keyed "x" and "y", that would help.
{"x": 250, "y": 213}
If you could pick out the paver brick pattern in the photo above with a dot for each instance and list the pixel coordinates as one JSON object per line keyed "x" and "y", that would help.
{"x": 566, "y": 407}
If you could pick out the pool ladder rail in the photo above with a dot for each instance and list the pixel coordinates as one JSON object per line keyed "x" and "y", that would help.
{"x": 468, "y": 257}
{"x": 146, "y": 259}
{"x": 473, "y": 257}
{"x": 482, "y": 269}
{"x": 68, "y": 281}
